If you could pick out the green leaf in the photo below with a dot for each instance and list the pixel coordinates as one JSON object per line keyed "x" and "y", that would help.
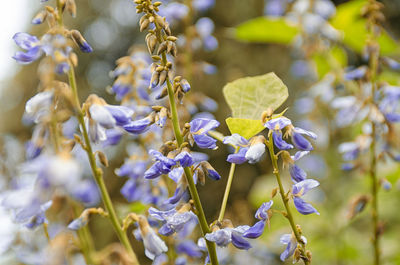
{"x": 336, "y": 57}
{"x": 249, "y": 97}
{"x": 245, "y": 127}
{"x": 267, "y": 29}
{"x": 348, "y": 19}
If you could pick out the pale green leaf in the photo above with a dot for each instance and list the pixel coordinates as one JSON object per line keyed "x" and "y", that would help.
{"x": 249, "y": 97}
{"x": 245, "y": 127}
{"x": 267, "y": 29}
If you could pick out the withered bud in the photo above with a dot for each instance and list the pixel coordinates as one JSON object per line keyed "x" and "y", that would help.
{"x": 274, "y": 192}
{"x": 71, "y": 7}
{"x": 201, "y": 177}
{"x": 155, "y": 78}
{"x": 172, "y": 38}
{"x": 74, "y": 59}
{"x": 162, "y": 48}
{"x": 160, "y": 68}
{"x": 80, "y": 41}
{"x": 102, "y": 158}
{"x": 171, "y": 48}
{"x": 40, "y": 17}
{"x": 160, "y": 21}
{"x": 163, "y": 77}
{"x": 167, "y": 28}
{"x": 357, "y": 205}
{"x": 144, "y": 25}
{"x": 266, "y": 115}
{"x": 163, "y": 94}
{"x": 151, "y": 42}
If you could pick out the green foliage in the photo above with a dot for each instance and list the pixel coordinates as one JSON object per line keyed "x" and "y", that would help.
{"x": 353, "y": 26}
{"x": 245, "y": 127}
{"x": 333, "y": 58}
{"x": 267, "y": 29}
{"x": 249, "y": 97}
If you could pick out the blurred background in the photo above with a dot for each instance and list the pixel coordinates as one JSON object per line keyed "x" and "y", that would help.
{"x": 110, "y": 26}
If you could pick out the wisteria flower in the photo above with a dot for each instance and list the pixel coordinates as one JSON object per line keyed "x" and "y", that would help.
{"x": 163, "y": 165}
{"x": 173, "y": 220}
{"x": 258, "y": 228}
{"x": 222, "y": 237}
{"x": 29, "y": 43}
{"x": 199, "y": 128}
{"x": 153, "y": 244}
{"x": 291, "y": 242}
{"x": 299, "y": 189}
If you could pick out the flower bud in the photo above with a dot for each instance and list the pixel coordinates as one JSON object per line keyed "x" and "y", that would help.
{"x": 39, "y": 18}
{"x": 80, "y": 41}
{"x": 71, "y": 7}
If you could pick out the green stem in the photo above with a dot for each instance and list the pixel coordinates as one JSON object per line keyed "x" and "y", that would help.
{"x": 192, "y": 187}
{"x": 285, "y": 199}
{"x": 373, "y": 67}
{"x": 98, "y": 173}
{"x": 227, "y": 189}
{"x": 85, "y": 242}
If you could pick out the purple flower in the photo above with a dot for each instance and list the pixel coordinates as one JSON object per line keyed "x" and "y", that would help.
{"x": 275, "y": 8}
{"x": 256, "y": 149}
{"x": 299, "y": 189}
{"x": 40, "y": 217}
{"x": 121, "y": 114}
{"x": 222, "y": 237}
{"x": 277, "y": 123}
{"x": 162, "y": 166}
{"x": 279, "y": 142}
{"x": 153, "y": 244}
{"x": 138, "y": 126}
{"x": 299, "y": 141}
{"x": 297, "y": 174}
{"x": 236, "y": 140}
{"x": 291, "y": 242}
{"x": 262, "y": 212}
{"x": 174, "y": 12}
{"x": 393, "y": 64}
{"x": 355, "y": 74}
{"x": 38, "y": 107}
{"x": 173, "y": 220}
{"x": 205, "y": 27}
{"x": 258, "y": 228}
{"x": 87, "y": 192}
{"x": 203, "y": 5}
{"x": 199, "y": 128}
{"x": 29, "y": 43}
{"x": 389, "y": 105}
{"x": 185, "y": 159}
{"x": 189, "y": 248}
{"x": 349, "y": 150}
{"x": 78, "y": 223}
{"x": 239, "y": 157}
{"x": 121, "y": 89}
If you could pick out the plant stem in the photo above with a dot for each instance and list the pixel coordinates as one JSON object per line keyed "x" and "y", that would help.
{"x": 188, "y": 174}
{"x": 98, "y": 173}
{"x": 192, "y": 187}
{"x": 85, "y": 241}
{"x": 285, "y": 199}
{"x": 227, "y": 190}
{"x": 373, "y": 71}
